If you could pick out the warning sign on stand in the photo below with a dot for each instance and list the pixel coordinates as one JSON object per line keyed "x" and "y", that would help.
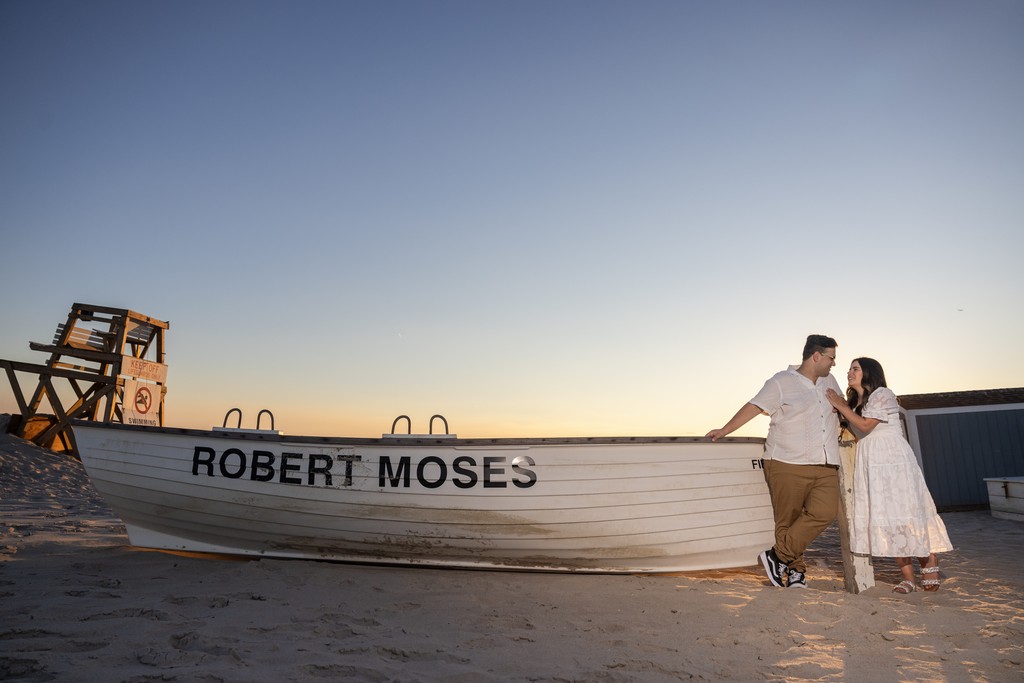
{"x": 141, "y": 403}
{"x": 143, "y": 369}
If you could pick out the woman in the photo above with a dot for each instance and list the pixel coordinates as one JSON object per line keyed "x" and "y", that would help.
{"x": 893, "y": 512}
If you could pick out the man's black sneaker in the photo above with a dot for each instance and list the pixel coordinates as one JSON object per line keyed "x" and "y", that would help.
{"x": 773, "y": 567}
{"x": 796, "y": 579}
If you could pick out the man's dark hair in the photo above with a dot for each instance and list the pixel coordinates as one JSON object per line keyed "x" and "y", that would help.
{"x": 818, "y": 343}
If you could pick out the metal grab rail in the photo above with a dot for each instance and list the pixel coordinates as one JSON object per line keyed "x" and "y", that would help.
{"x": 442, "y": 420}
{"x": 260, "y": 416}
{"x": 259, "y": 419}
{"x": 408, "y": 424}
{"x": 233, "y": 410}
{"x": 407, "y": 421}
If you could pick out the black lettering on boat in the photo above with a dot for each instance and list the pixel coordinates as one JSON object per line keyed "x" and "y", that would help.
{"x": 491, "y": 471}
{"x": 464, "y": 472}
{"x": 325, "y": 469}
{"x": 224, "y": 462}
{"x": 459, "y": 467}
{"x": 262, "y": 466}
{"x": 348, "y": 460}
{"x": 421, "y": 470}
{"x": 207, "y": 461}
{"x": 288, "y": 466}
{"x": 517, "y": 467}
{"x": 386, "y": 471}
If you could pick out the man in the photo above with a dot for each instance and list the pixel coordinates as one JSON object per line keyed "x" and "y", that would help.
{"x": 801, "y": 459}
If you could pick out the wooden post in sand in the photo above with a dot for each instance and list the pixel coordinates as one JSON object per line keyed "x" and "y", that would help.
{"x": 858, "y": 574}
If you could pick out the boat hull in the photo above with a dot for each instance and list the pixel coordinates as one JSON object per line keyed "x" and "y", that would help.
{"x": 628, "y": 505}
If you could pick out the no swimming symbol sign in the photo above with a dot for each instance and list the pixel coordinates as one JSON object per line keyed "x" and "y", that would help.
{"x": 139, "y": 405}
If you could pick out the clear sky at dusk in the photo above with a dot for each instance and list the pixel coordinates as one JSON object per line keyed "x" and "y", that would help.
{"x": 556, "y": 218}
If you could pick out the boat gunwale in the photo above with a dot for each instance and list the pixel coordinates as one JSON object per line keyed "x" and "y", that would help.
{"x": 411, "y": 440}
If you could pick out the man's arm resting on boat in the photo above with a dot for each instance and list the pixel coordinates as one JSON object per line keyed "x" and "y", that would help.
{"x": 744, "y": 415}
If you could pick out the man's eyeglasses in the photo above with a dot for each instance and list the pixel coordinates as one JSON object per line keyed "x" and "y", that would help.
{"x": 831, "y": 358}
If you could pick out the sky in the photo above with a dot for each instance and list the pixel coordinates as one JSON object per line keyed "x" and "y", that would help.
{"x": 558, "y": 218}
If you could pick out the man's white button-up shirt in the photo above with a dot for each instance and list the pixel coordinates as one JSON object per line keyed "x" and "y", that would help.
{"x": 804, "y": 428}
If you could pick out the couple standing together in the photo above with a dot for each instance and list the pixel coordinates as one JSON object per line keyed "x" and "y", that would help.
{"x": 893, "y": 512}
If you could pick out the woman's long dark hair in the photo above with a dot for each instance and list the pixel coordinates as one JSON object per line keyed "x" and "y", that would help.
{"x": 872, "y": 377}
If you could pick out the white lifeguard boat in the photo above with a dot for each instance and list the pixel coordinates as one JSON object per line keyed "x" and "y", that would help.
{"x": 602, "y": 504}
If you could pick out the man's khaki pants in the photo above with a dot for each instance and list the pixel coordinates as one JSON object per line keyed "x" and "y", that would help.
{"x": 805, "y": 499}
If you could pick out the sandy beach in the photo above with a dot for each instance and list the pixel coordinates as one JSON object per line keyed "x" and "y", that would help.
{"x": 77, "y": 603}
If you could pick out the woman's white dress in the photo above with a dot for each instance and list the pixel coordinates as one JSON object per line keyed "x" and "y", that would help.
{"x": 893, "y": 512}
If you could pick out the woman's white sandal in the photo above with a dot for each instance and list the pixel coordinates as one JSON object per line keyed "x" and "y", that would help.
{"x": 905, "y": 586}
{"x": 930, "y": 585}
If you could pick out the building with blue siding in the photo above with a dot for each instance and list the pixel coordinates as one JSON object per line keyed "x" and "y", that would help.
{"x": 962, "y": 437}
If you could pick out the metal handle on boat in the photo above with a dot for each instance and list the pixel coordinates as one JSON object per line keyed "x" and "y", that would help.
{"x": 442, "y": 420}
{"x": 260, "y": 416}
{"x": 233, "y": 410}
{"x": 408, "y": 422}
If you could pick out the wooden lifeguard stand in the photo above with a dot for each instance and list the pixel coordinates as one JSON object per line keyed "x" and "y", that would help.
{"x": 113, "y": 362}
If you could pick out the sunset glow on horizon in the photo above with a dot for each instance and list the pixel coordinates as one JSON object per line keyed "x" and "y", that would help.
{"x": 535, "y": 219}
